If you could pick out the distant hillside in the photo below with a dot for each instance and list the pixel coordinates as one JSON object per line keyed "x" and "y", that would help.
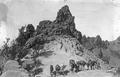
{"x": 105, "y": 50}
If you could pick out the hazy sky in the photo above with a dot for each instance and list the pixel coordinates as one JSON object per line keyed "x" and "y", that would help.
{"x": 92, "y": 17}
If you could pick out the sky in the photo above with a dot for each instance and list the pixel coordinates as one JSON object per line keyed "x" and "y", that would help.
{"x": 92, "y": 17}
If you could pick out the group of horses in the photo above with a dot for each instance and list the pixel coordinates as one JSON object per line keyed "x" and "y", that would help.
{"x": 82, "y": 65}
{"x": 74, "y": 67}
{"x": 59, "y": 70}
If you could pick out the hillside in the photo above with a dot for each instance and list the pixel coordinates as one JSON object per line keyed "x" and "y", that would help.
{"x": 105, "y": 50}
{"x": 57, "y": 43}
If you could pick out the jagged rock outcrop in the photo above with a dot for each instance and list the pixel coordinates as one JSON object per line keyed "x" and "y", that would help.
{"x": 62, "y": 25}
{"x": 42, "y": 26}
{"x": 97, "y": 46}
{"x": 63, "y": 15}
{"x": 94, "y": 42}
{"x": 24, "y": 34}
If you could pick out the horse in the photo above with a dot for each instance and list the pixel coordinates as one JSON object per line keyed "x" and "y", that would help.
{"x": 57, "y": 69}
{"x": 97, "y": 66}
{"x": 81, "y": 64}
{"x": 91, "y": 64}
{"x": 64, "y": 72}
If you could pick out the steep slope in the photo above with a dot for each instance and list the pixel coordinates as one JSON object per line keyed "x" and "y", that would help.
{"x": 110, "y": 54}
{"x": 63, "y": 25}
{"x": 65, "y": 48}
{"x": 113, "y": 52}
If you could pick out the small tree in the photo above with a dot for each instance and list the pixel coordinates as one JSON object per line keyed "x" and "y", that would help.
{"x": 30, "y": 30}
{"x": 5, "y": 48}
{"x": 100, "y": 54}
{"x": 21, "y": 38}
{"x": 106, "y": 59}
{"x": 98, "y": 41}
{"x": 24, "y": 35}
{"x": 84, "y": 39}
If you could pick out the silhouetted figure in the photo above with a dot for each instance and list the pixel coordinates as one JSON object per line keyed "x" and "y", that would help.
{"x": 51, "y": 70}
{"x": 1, "y": 71}
{"x": 57, "y": 68}
{"x": 89, "y": 65}
{"x": 72, "y": 65}
{"x": 76, "y": 68}
{"x": 81, "y": 65}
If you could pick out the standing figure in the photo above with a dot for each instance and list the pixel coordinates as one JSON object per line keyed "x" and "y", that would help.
{"x": 57, "y": 68}
{"x": 76, "y": 68}
{"x": 94, "y": 63}
{"x": 1, "y": 71}
{"x": 51, "y": 70}
{"x": 72, "y": 65}
{"x": 88, "y": 65}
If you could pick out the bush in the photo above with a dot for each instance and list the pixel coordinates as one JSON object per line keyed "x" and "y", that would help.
{"x": 25, "y": 35}
{"x": 106, "y": 59}
{"x": 5, "y": 49}
{"x": 37, "y": 71}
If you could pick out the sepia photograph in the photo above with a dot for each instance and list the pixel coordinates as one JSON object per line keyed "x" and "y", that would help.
{"x": 59, "y": 38}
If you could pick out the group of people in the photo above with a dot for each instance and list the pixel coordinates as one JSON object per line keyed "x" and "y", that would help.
{"x": 75, "y": 66}
{"x": 59, "y": 70}
{"x": 82, "y": 65}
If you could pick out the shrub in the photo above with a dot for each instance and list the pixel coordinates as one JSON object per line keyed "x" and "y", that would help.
{"x": 25, "y": 35}
{"x": 106, "y": 59}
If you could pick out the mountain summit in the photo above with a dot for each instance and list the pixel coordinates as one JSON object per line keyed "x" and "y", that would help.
{"x": 63, "y": 14}
{"x": 63, "y": 25}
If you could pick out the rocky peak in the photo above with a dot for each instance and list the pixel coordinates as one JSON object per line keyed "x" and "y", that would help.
{"x": 64, "y": 14}
{"x": 118, "y": 38}
{"x": 63, "y": 25}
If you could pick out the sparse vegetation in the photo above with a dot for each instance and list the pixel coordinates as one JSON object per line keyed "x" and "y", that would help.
{"x": 106, "y": 59}
{"x": 24, "y": 34}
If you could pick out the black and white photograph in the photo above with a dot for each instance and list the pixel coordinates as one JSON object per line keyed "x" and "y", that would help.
{"x": 59, "y": 38}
